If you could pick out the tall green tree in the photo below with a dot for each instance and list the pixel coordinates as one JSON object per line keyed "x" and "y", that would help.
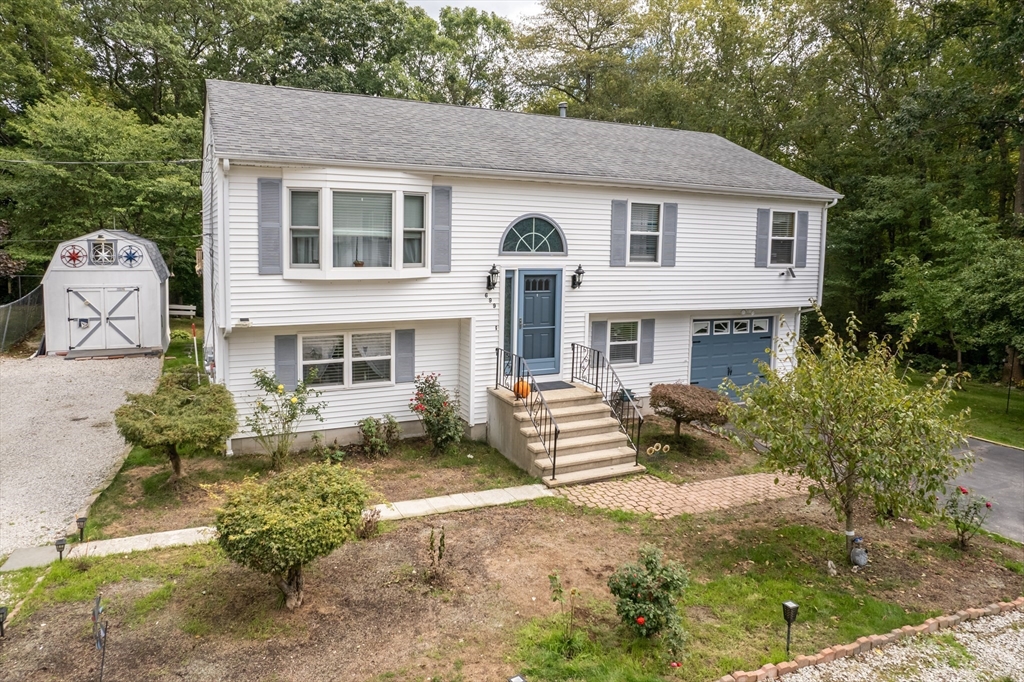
{"x": 475, "y": 58}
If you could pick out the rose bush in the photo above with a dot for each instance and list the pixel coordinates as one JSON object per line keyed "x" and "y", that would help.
{"x": 439, "y": 412}
{"x": 645, "y": 595}
{"x": 964, "y": 510}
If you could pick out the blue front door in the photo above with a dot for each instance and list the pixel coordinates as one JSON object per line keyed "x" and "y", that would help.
{"x": 538, "y": 320}
{"x": 729, "y": 347}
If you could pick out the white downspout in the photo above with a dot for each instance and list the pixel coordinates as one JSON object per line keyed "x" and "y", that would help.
{"x": 821, "y": 247}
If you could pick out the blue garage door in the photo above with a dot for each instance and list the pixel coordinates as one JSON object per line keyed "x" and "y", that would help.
{"x": 729, "y": 347}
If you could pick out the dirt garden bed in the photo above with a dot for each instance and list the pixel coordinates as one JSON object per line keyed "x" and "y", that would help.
{"x": 188, "y": 614}
{"x": 694, "y": 455}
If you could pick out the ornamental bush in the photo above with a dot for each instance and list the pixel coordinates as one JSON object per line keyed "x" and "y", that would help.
{"x": 182, "y": 415}
{"x": 274, "y": 418}
{"x": 379, "y": 435}
{"x": 439, "y": 412}
{"x": 687, "y": 403}
{"x": 645, "y": 595}
{"x": 280, "y": 526}
{"x": 967, "y": 512}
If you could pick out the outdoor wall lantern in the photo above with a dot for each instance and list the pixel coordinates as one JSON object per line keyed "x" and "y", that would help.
{"x": 577, "y": 277}
{"x": 60, "y": 545}
{"x": 492, "y": 278}
{"x": 788, "y": 271}
{"x": 789, "y": 611}
{"x": 80, "y": 522}
{"x": 3, "y": 619}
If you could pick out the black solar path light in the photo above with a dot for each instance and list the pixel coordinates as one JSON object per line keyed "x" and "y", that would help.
{"x": 60, "y": 545}
{"x": 80, "y": 521}
{"x": 3, "y": 619}
{"x": 517, "y": 678}
{"x": 789, "y": 611}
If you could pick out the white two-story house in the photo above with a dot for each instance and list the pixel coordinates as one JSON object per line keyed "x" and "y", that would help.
{"x": 376, "y": 239}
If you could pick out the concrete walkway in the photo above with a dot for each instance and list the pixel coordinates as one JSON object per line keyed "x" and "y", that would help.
{"x": 33, "y": 557}
{"x": 650, "y": 495}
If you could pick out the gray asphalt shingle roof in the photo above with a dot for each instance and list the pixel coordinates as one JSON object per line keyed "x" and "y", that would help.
{"x": 266, "y": 122}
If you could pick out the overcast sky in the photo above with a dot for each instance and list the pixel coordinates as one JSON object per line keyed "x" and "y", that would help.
{"x": 512, "y": 9}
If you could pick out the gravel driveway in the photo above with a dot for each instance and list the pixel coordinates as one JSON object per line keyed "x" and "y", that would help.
{"x": 982, "y": 650}
{"x": 57, "y": 438}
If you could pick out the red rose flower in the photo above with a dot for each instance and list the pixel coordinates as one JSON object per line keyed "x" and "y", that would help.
{"x": 963, "y": 490}
{"x": 988, "y": 505}
{"x": 640, "y": 620}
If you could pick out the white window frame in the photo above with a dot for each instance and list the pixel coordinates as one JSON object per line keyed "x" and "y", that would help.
{"x": 744, "y": 322}
{"x": 772, "y": 239}
{"x": 349, "y": 359}
{"x": 624, "y": 343}
{"x": 760, "y": 320}
{"x": 707, "y": 328}
{"x": 326, "y": 269}
{"x": 423, "y": 231}
{"x": 289, "y": 227}
{"x": 728, "y": 327}
{"x": 658, "y": 235}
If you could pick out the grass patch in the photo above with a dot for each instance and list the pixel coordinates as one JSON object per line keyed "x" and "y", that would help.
{"x": 152, "y": 602}
{"x": 682, "y": 449}
{"x": 989, "y": 418}
{"x": 179, "y": 352}
{"x": 491, "y": 469}
{"x": 1014, "y": 566}
{"x": 958, "y": 655}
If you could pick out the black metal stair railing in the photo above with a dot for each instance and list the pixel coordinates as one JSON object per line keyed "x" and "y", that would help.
{"x": 509, "y": 370}
{"x": 590, "y": 366}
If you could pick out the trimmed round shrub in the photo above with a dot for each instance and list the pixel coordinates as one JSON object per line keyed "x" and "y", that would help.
{"x": 688, "y": 403}
{"x": 278, "y": 527}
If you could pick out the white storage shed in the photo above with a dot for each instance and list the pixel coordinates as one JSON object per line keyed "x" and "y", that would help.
{"x": 106, "y": 291}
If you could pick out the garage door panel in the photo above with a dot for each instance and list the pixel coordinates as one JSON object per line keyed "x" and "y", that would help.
{"x": 731, "y": 353}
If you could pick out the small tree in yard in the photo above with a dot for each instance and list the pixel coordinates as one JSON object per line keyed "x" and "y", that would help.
{"x": 280, "y": 526}
{"x": 438, "y": 411}
{"x": 684, "y": 403}
{"x": 181, "y": 415}
{"x": 848, "y": 422}
{"x": 275, "y": 417}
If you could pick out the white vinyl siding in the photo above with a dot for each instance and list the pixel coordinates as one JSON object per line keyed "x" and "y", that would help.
{"x": 644, "y": 232}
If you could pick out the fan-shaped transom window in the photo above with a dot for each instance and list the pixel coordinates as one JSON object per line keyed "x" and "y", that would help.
{"x": 533, "y": 235}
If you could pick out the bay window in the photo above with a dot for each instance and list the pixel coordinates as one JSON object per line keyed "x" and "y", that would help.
{"x": 413, "y": 230}
{"x": 305, "y": 228}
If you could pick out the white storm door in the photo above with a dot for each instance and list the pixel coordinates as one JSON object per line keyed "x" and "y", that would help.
{"x": 122, "y": 316}
{"x": 85, "y": 319}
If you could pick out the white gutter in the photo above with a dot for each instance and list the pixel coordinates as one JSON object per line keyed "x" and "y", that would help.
{"x": 821, "y": 246}
{"x": 450, "y": 171}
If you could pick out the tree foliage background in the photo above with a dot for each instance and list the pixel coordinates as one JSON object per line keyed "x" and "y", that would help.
{"x": 914, "y": 111}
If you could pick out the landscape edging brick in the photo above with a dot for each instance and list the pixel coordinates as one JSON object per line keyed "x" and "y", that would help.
{"x": 771, "y": 671}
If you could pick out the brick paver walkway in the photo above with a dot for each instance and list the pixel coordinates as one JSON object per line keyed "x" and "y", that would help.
{"x": 650, "y": 495}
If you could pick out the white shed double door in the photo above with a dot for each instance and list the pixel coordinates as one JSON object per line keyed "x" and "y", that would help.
{"x": 103, "y": 317}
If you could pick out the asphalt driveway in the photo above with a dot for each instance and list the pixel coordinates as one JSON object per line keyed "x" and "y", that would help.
{"x": 998, "y": 475}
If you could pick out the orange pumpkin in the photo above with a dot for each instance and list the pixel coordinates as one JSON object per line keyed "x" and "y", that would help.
{"x": 522, "y": 389}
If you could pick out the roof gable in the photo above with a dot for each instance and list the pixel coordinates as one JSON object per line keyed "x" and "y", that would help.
{"x": 266, "y": 122}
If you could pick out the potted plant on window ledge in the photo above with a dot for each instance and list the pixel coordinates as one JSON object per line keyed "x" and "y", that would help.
{"x": 357, "y": 263}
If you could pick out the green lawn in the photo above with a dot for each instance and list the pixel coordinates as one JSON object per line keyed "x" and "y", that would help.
{"x": 989, "y": 418}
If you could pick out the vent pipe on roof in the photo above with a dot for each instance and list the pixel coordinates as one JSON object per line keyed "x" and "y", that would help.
{"x": 562, "y": 107}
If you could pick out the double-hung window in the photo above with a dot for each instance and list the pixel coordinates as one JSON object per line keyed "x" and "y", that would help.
{"x": 305, "y": 228}
{"x": 623, "y": 342}
{"x": 362, "y": 230}
{"x": 413, "y": 230}
{"x": 347, "y": 359}
{"x": 783, "y": 238}
{"x": 644, "y": 231}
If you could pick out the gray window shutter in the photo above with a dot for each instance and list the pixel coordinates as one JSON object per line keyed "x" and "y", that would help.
{"x": 599, "y": 336}
{"x": 286, "y": 352}
{"x": 619, "y": 239}
{"x": 763, "y": 227}
{"x": 268, "y": 199}
{"x": 405, "y": 356}
{"x": 801, "y": 239}
{"x": 646, "y": 342}
{"x": 670, "y": 215}
{"x": 441, "y": 231}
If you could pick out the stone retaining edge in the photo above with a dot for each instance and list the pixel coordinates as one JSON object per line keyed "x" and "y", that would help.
{"x": 773, "y": 671}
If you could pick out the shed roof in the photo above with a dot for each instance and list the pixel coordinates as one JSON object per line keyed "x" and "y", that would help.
{"x": 265, "y": 122}
{"x": 152, "y": 250}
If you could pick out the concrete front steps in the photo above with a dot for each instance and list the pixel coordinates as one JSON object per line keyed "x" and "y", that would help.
{"x": 591, "y": 447}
